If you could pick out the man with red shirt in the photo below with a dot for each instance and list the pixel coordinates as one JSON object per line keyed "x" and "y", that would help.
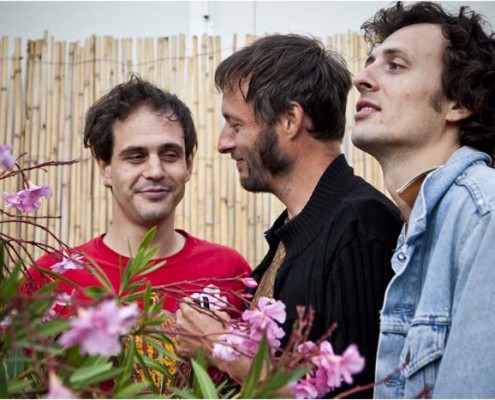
{"x": 144, "y": 140}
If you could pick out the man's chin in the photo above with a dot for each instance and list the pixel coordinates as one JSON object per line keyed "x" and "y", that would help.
{"x": 254, "y": 186}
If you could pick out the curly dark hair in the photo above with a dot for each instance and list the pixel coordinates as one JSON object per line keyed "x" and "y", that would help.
{"x": 122, "y": 101}
{"x": 284, "y": 68}
{"x": 468, "y": 74}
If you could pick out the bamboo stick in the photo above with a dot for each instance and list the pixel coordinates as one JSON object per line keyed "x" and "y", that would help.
{"x": 98, "y": 198}
{"x": 191, "y": 197}
{"x": 59, "y": 147}
{"x": 4, "y": 69}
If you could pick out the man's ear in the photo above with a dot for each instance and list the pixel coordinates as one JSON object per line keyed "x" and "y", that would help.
{"x": 105, "y": 172}
{"x": 457, "y": 112}
{"x": 292, "y": 121}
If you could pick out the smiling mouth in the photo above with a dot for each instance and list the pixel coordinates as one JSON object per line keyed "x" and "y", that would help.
{"x": 365, "y": 109}
{"x": 154, "y": 193}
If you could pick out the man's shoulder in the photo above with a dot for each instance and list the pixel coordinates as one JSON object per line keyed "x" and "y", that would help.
{"x": 476, "y": 185}
{"x": 365, "y": 199}
{"x": 214, "y": 251}
{"x": 370, "y": 212}
{"x": 48, "y": 259}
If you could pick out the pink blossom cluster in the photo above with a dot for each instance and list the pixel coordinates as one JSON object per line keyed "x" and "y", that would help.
{"x": 329, "y": 372}
{"x": 7, "y": 160}
{"x": 97, "y": 330}
{"x": 57, "y": 390}
{"x": 69, "y": 261}
{"x": 210, "y": 298}
{"x": 62, "y": 299}
{"x": 245, "y": 337}
{"x": 28, "y": 200}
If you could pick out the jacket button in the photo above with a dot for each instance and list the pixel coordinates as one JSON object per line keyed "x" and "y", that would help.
{"x": 401, "y": 256}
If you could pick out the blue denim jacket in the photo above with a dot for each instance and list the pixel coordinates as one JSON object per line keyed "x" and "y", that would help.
{"x": 438, "y": 318}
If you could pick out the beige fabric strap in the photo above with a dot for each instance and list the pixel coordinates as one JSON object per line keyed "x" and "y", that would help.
{"x": 265, "y": 288}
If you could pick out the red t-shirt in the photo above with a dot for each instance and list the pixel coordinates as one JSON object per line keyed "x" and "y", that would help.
{"x": 199, "y": 264}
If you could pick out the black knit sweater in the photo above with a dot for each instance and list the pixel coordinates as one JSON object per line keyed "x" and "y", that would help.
{"x": 338, "y": 251}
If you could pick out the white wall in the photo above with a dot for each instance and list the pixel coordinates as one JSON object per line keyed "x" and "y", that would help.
{"x": 77, "y": 20}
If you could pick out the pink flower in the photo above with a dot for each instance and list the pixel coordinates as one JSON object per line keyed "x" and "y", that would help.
{"x": 210, "y": 298}
{"x": 57, "y": 390}
{"x": 28, "y": 200}
{"x": 303, "y": 389}
{"x": 68, "y": 262}
{"x": 97, "y": 330}
{"x": 63, "y": 299}
{"x": 351, "y": 363}
{"x": 249, "y": 282}
{"x": 5, "y": 323}
{"x": 6, "y": 159}
{"x": 330, "y": 370}
{"x": 327, "y": 363}
{"x": 263, "y": 321}
{"x": 227, "y": 345}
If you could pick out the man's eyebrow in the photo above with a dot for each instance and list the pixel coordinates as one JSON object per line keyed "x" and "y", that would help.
{"x": 132, "y": 149}
{"x": 369, "y": 60}
{"x": 172, "y": 146}
{"x": 142, "y": 149}
{"x": 391, "y": 51}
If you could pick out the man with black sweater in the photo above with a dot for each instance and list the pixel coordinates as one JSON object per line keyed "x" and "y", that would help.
{"x": 284, "y": 101}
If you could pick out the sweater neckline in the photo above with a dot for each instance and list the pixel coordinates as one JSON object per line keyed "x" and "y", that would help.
{"x": 299, "y": 232}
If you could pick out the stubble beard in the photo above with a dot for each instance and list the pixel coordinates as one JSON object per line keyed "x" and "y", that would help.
{"x": 267, "y": 161}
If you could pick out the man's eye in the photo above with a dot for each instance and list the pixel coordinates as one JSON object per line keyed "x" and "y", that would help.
{"x": 170, "y": 156}
{"x": 395, "y": 66}
{"x": 136, "y": 157}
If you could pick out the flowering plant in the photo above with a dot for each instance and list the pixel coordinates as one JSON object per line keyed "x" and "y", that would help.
{"x": 56, "y": 344}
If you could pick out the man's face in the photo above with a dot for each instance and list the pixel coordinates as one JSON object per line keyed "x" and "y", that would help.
{"x": 254, "y": 147}
{"x": 401, "y": 107}
{"x": 148, "y": 170}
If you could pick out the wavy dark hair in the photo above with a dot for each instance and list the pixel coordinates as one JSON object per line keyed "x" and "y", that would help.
{"x": 468, "y": 74}
{"x": 122, "y": 101}
{"x": 284, "y": 68}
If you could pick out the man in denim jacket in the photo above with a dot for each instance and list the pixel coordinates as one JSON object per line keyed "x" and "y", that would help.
{"x": 427, "y": 113}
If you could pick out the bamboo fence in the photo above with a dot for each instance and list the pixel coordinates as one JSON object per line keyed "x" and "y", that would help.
{"x": 46, "y": 88}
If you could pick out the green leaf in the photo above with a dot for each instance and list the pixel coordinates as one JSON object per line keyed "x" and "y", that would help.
{"x": 147, "y": 297}
{"x": 279, "y": 380}
{"x": 99, "y": 274}
{"x": 153, "y": 364}
{"x": 18, "y": 386}
{"x": 55, "y": 276}
{"x": 152, "y": 268}
{"x": 10, "y": 286}
{"x": 53, "y": 327}
{"x": 184, "y": 394}
{"x": 148, "y": 238}
{"x": 126, "y": 374}
{"x": 4, "y": 393}
{"x": 162, "y": 350}
{"x": 147, "y": 374}
{"x": 104, "y": 376}
{"x": 83, "y": 374}
{"x": 96, "y": 292}
{"x": 132, "y": 391}
{"x": 204, "y": 381}
{"x": 253, "y": 377}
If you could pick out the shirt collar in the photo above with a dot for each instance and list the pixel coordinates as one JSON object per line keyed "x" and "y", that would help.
{"x": 410, "y": 190}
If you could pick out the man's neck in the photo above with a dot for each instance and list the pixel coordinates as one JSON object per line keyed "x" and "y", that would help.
{"x": 400, "y": 170}
{"x": 296, "y": 189}
{"x": 126, "y": 240}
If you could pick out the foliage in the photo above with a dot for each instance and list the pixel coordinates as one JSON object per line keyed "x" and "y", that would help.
{"x": 55, "y": 345}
